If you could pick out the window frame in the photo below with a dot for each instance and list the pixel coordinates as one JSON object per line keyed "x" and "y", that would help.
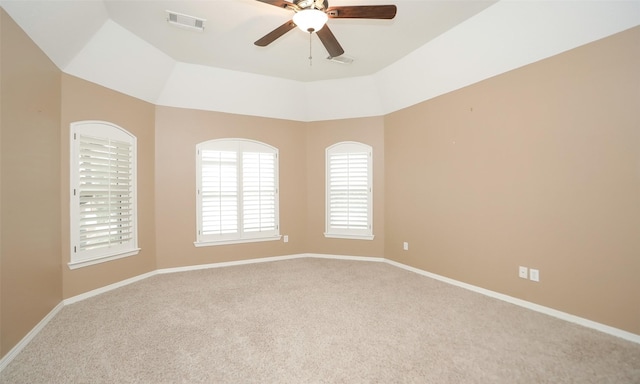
{"x": 349, "y": 147}
{"x": 240, "y": 146}
{"x": 99, "y": 130}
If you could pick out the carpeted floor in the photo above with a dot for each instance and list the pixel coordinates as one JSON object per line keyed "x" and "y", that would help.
{"x": 313, "y": 321}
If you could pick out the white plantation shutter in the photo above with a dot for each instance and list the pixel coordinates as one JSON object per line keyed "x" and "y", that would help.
{"x": 103, "y": 192}
{"x": 219, "y": 192}
{"x": 259, "y": 191}
{"x": 349, "y": 190}
{"x": 237, "y": 186}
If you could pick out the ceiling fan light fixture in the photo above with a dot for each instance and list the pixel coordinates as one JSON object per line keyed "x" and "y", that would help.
{"x": 310, "y": 20}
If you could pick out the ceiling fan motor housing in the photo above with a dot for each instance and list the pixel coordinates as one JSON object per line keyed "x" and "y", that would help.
{"x": 315, "y": 4}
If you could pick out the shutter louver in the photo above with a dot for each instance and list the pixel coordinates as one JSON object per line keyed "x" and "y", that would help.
{"x": 105, "y": 193}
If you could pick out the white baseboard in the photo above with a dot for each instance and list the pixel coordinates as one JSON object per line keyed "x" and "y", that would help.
{"x": 266, "y": 260}
{"x": 343, "y": 257}
{"x": 525, "y": 304}
{"x": 522, "y": 303}
{"x": 230, "y": 263}
{"x": 134, "y": 279}
{"x": 108, "y": 288}
{"x": 6, "y": 359}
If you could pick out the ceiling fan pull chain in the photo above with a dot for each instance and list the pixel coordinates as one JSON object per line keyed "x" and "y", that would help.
{"x": 310, "y": 56}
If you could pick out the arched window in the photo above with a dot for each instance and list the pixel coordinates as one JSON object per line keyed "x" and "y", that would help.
{"x": 103, "y": 193}
{"x": 349, "y": 195}
{"x": 237, "y": 192}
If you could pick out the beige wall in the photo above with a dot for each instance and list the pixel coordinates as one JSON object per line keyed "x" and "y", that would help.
{"x": 2, "y": 16}
{"x": 321, "y": 135}
{"x": 177, "y": 133}
{"x": 82, "y": 100}
{"x": 539, "y": 167}
{"x": 30, "y": 174}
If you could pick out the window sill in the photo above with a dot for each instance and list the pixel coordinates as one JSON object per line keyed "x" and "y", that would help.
{"x": 351, "y": 237}
{"x": 235, "y": 241}
{"x": 102, "y": 259}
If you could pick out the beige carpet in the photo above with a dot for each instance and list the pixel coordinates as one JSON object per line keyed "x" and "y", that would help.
{"x": 313, "y": 321}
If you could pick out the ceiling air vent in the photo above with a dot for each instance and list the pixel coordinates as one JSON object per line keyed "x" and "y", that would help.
{"x": 342, "y": 59}
{"x": 185, "y": 21}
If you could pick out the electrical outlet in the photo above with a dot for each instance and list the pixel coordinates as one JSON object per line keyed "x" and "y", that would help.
{"x": 534, "y": 275}
{"x": 285, "y": 238}
{"x": 405, "y": 246}
{"x": 522, "y": 272}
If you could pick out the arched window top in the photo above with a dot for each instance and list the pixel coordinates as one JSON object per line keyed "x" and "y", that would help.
{"x": 349, "y": 146}
{"x": 234, "y": 144}
{"x": 98, "y": 128}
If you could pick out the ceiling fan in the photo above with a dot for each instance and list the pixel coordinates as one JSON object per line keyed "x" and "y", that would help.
{"x": 311, "y": 16}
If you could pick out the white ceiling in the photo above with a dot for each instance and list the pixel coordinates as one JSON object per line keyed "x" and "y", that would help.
{"x": 430, "y": 48}
{"x": 232, "y": 26}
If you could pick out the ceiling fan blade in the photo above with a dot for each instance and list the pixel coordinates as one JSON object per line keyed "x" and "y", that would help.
{"x": 277, "y": 3}
{"x": 329, "y": 41}
{"x": 273, "y": 35}
{"x": 363, "y": 12}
